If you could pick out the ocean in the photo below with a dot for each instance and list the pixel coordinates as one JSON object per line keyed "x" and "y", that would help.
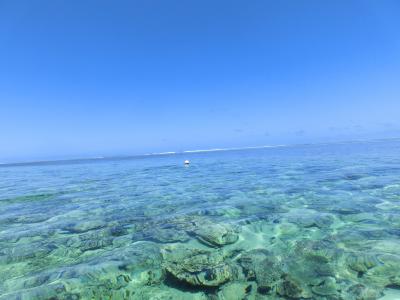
{"x": 291, "y": 222}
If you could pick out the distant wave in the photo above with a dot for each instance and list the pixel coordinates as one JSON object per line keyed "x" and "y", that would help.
{"x": 207, "y": 150}
{"x": 214, "y": 150}
{"x": 161, "y": 153}
{"x": 232, "y": 149}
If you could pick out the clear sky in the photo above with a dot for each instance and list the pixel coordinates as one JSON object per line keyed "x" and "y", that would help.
{"x": 86, "y": 78}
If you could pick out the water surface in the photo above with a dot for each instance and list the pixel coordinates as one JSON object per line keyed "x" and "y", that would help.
{"x": 301, "y": 222}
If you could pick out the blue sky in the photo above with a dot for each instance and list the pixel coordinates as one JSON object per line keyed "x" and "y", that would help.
{"x": 89, "y": 78}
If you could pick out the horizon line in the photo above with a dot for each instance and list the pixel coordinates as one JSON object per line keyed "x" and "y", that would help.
{"x": 169, "y": 153}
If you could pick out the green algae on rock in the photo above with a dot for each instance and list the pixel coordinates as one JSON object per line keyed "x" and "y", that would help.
{"x": 197, "y": 267}
{"x": 327, "y": 287}
{"x": 236, "y": 291}
{"x": 263, "y": 267}
{"x": 361, "y": 292}
{"x": 361, "y": 262}
{"x": 291, "y": 288}
{"x": 216, "y": 235}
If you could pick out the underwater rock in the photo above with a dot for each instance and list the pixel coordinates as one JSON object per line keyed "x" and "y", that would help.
{"x": 170, "y": 235}
{"x": 350, "y": 238}
{"x": 138, "y": 257}
{"x": 100, "y": 292}
{"x": 26, "y": 282}
{"x": 37, "y": 280}
{"x": 235, "y": 291}
{"x": 164, "y": 293}
{"x": 353, "y": 176}
{"x": 263, "y": 267}
{"x": 346, "y": 210}
{"x": 323, "y": 251}
{"x": 183, "y": 222}
{"x": 44, "y": 292}
{"x": 117, "y": 273}
{"x": 90, "y": 241}
{"x": 287, "y": 231}
{"x": 377, "y": 234}
{"x": 107, "y": 288}
{"x": 387, "y": 273}
{"x": 25, "y": 252}
{"x": 361, "y": 292}
{"x": 117, "y": 230}
{"x": 351, "y": 207}
{"x": 197, "y": 267}
{"x": 310, "y": 264}
{"x": 263, "y": 209}
{"x": 320, "y": 221}
{"x": 92, "y": 244}
{"x": 81, "y": 227}
{"x": 231, "y": 212}
{"x": 108, "y": 283}
{"x": 361, "y": 262}
{"x": 162, "y": 235}
{"x": 326, "y": 288}
{"x": 367, "y": 218}
{"x": 149, "y": 277}
{"x": 291, "y": 288}
{"x": 216, "y": 235}
{"x": 393, "y": 219}
{"x": 33, "y": 218}
{"x": 13, "y": 237}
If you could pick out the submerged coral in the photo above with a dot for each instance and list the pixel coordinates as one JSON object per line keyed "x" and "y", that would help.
{"x": 197, "y": 267}
{"x": 216, "y": 235}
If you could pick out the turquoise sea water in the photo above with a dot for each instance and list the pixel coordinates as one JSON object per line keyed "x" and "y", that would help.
{"x": 301, "y": 222}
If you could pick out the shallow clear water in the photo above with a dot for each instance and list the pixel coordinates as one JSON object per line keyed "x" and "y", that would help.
{"x": 304, "y": 222}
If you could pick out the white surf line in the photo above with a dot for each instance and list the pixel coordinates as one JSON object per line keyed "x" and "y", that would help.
{"x": 212, "y": 150}
{"x": 231, "y": 149}
{"x": 161, "y": 153}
